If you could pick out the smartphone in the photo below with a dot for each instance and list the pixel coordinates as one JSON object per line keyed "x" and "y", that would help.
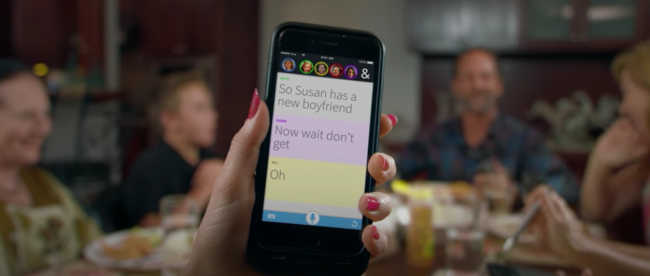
{"x": 323, "y": 91}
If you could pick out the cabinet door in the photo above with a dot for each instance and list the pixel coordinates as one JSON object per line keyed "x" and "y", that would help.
{"x": 550, "y": 20}
{"x": 447, "y": 26}
{"x": 612, "y": 19}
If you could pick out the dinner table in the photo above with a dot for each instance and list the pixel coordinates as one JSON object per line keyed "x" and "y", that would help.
{"x": 395, "y": 263}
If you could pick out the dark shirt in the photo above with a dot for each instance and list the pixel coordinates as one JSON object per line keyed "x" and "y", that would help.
{"x": 158, "y": 172}
{"x": 441, "y": 153}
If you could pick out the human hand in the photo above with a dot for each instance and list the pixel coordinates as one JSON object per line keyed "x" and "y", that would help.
{"x": 221, "y": 241}
{"x": 620, "y": 146}
{"x": 558, "y": 228}
{"x": 496, "y": 182}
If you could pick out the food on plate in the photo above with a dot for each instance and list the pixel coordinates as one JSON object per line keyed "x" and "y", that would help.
{"x": 133, "y": 246}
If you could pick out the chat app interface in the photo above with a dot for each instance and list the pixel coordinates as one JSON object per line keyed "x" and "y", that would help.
{"x": 319, "y": 140}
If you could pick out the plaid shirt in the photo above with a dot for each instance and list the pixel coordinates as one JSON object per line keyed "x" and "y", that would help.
{"x": 441, "y": 153}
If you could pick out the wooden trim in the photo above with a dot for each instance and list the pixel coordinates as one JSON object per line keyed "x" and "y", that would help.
{"x": 237, "y": 44}
{"x": 6, "y": 31}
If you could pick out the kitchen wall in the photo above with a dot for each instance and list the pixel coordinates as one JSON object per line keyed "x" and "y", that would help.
{"x": 386, "y": 19}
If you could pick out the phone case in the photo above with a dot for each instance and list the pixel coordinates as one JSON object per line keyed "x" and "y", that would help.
{"x": 300, "y": 263}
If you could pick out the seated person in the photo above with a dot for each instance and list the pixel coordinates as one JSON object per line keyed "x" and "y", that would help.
{"x": 40, "y": 223}
{"x": 180, "y": 162}
{"x": 454, "y": 150}
{"x": 612, "y": 184}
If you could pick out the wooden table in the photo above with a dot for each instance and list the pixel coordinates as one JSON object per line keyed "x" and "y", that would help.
{"x": 397, "y": 265}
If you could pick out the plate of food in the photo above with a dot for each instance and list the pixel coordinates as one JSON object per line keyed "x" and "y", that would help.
{"x": 138, "y": 249}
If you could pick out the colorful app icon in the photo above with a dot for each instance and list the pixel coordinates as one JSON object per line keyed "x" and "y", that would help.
{"x": 350, "y": 72}
{"x": 288, "y": 65}
{"x": 321, "y": 68}
{"x": 336, "y": 70}
{"x": 306, "y": 67}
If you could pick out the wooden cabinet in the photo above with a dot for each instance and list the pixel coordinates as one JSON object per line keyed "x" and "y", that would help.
{"x": 172, "y": 28}
{"x": 448, "y": 25}
{"x": 583, "y": 25}
{"x": 527, "y": 26}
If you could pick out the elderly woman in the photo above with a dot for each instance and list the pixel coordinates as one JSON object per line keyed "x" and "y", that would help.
{"x": 612, "y": 183}
{"x": 40, "y": 223}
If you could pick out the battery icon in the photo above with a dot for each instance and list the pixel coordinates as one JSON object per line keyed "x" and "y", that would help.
{"x": 370, "y": 62}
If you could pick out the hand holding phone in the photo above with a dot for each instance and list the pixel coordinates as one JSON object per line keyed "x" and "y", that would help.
{"x": 324, "y": 96}
{"x": 220, "y": 245}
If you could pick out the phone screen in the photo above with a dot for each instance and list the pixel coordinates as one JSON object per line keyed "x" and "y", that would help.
{"x": 319, "y": 140}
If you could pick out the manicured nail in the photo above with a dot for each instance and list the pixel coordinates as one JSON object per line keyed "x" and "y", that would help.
{"x": 373, "y": 204}
{"x": 383, "y": 163}
{"x": 375, "y": 233}
{"x": 255, "y": 104}
{"x": 393, "y": 119}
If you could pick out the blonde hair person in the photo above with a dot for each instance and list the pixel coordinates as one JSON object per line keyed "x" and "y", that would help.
{"x": 40, "y": 223}
{"x": 181, "y": 162}
{"x": 616, "y": 180}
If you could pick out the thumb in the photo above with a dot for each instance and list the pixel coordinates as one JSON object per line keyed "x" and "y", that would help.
{"x": 241, "y": 160}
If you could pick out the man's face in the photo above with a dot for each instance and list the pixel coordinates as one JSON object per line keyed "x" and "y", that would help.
{"x": 477, "y": 84}
{"x": 321, "y": 69}
{"x": 336, "y": 70}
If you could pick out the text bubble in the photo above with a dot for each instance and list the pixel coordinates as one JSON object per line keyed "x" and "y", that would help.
{"x": 323, "y": 97}
{"x": 319, "y": 139}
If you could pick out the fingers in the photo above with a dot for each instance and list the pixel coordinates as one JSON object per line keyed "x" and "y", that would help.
{"x": 244, "y": 149}
{"x": 498, "y": 168}
{"x": 536, "y": 195}
{"x": 374, "y": 241}
{"x": 386, "y": 124}
{"x": 491, "y": 181}
{"x": 381, "y": 167}
{"x": 375, "y": 206}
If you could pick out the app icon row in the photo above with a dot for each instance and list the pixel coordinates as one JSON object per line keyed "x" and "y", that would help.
{"x": 320, "y": 68}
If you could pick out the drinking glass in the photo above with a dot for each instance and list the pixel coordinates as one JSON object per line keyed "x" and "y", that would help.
{"x": 464, "y": 251}
{"x": 180, "y": 217}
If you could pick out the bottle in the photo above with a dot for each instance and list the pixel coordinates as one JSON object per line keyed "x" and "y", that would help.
{"x": 420, "y": 238}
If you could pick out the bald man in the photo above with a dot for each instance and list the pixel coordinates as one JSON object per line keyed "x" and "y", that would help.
{"x": 482, "y": 146}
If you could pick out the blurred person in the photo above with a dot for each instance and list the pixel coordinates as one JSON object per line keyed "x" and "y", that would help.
{"x": 457, "y": 149}
{"x": 336, "y": 70}
{"x": 288, "y": 65}
{"x": 320, "y": 69}
{"x": 612, "y": 184}
{"x": 41, "y": 224}
{"x": 306, "y": 67}
{"x": 350, "y": 72}
{"x": 180, "y": 162}
{"x": 220, "y": 247}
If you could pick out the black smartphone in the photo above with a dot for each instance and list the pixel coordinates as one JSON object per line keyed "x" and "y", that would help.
{"x": 323, "y": 91}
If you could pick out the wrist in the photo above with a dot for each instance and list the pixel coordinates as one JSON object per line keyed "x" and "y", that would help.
{"x": 580, "y": 247}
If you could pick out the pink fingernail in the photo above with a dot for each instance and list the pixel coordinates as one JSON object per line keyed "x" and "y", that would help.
{"x": 373, "y": 204}
{"x": 383, "y": 163}
{"x": 393, "y": 119}
{"x": 375, "y": 233}
{"x": 255, "y": 104}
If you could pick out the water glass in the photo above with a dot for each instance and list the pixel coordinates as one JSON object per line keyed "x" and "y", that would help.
{"x": 180, "y": 219}
{"x": 464, "y": 252}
